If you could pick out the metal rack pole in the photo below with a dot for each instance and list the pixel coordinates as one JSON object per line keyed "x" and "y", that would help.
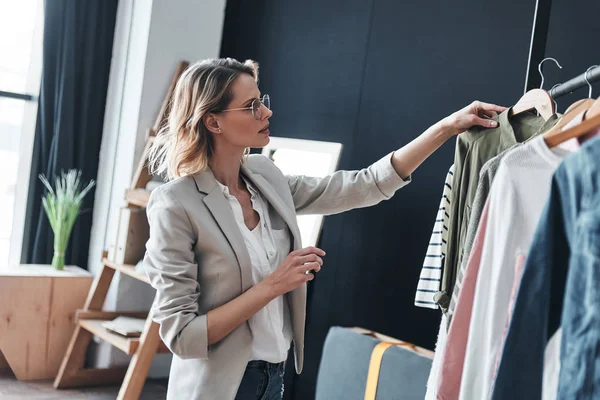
{"x": 593, "y": 75}
{"x": 537, "y": 47}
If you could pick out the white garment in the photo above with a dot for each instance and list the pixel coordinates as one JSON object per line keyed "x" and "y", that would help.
{"x": 436, "y": 365}
{"x": 271, "y": 326}
{"x": 517, "y": 198}
{"x": 431, "y": 273}
{"x": 552, "y": 366}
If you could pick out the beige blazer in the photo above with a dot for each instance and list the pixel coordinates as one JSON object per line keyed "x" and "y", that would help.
{"x": 196, "y": 259}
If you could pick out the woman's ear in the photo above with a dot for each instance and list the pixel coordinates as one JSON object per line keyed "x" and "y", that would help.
{"x": 212, "y": 124}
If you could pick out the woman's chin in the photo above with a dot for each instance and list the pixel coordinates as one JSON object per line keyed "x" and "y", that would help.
{"x": 265, "y": 139}
{"x": 261, "y": 142}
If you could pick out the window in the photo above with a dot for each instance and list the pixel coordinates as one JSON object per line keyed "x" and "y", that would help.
{"x": 21, "y": 28}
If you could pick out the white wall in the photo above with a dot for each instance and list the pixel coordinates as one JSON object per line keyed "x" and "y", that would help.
{"x": 151, "y": 37}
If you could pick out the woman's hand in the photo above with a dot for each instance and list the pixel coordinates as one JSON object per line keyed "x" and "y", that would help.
{"x": 406, "y": 159}
{"x": 294, "y": 270}
{"x": 476, "y": 113}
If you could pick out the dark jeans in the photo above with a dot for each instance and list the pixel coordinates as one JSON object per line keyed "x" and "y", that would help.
{"x": 262, "y": 381}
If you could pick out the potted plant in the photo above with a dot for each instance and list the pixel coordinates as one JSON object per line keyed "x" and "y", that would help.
{"x": 63, "y": 205}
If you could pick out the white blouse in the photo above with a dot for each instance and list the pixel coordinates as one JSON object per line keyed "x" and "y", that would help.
{"x": 271, "y": 326}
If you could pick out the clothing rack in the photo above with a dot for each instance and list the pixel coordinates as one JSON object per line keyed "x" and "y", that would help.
{"x": 537, "y": 51}
{"x": 580, "y": 81}
{"x": 537, "y": 47}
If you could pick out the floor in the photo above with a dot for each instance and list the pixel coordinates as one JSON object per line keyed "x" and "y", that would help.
{"x": 11, "y": 389}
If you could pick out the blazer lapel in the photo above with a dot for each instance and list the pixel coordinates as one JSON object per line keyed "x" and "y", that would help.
{"x": 221, "y": 211}
{"x": 288, "y": 215}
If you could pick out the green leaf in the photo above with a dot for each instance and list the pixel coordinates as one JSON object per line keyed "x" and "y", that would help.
{"x": 62, "y": 204}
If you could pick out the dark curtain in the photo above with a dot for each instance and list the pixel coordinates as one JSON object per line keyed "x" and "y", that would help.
{"x": 77, "y": 49}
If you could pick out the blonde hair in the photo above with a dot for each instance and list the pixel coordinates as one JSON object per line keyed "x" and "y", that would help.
{"x": 184, "y": 145}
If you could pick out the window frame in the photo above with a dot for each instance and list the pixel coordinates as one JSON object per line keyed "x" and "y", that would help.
{"x": 27, "y": 137}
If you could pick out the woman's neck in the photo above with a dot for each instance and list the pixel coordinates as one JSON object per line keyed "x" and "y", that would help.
{"x": 226, "y": 168}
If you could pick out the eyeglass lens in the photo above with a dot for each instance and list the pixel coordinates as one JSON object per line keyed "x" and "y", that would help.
{"x": 256, "y": 106}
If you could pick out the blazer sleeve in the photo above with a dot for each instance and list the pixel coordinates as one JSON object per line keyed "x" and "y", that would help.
{"x": 346, "y": 190}
{"x": 171, "y": 267}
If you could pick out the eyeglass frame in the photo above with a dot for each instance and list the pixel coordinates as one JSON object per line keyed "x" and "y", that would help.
{"x": 265, "y": 97}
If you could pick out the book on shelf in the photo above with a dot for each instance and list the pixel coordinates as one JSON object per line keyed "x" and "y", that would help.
{"x": 125, "y": 326}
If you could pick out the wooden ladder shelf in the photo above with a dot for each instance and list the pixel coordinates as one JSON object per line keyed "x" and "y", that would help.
{"x": 89, "y": 323}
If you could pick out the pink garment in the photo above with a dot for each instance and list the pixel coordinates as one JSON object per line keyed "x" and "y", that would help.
{"x": 589, "y": 135}
{"x": 519, "y": 265}
{"x": 572, "y": 144}
{"x": 458, "y": 334}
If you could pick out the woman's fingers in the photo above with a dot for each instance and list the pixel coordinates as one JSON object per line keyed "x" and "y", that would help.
{"x": 488, "y": 123}
{"x": 312, "y": 266}
{"x": 310, "y": 258}
{"x": 489, "y": 107}
{"x": 309, "y": 250}
{"x": 489, "y": 114}
{"x": 477, "y": 113}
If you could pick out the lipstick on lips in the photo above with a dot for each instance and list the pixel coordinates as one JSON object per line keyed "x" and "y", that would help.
{"x": 265, "y": 130}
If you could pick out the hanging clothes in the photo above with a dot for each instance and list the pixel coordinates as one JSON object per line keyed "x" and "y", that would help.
{"x": 431, "y": 273}
{"x": 486, "y": 177}
{"x": 516, "y": 200}
{"x": 449, "y": 377}
{"x": 473, "y": 149}
{"x": 566, "y": 248}
{"x": 434, "y": 372}
{"x": 551, "y": 367}
{"x": 458, "y": 332}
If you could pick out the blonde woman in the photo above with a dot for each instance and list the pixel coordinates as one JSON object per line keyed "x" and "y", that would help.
{"x": 225, "y": 253}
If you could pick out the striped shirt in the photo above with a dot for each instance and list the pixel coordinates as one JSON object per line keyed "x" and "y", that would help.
{"x": 431, "y": 273}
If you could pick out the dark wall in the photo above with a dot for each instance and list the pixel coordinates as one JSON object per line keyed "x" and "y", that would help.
{"x": 373, "y": 75}
{"x": 573, "y": 41}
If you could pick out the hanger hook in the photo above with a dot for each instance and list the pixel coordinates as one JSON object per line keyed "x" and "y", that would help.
{"x": 586, "y": 79}
{"x": 550, "y": 92}
{"x": 540, "y": 68}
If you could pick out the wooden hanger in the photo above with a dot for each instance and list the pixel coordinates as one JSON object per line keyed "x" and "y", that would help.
{"x": 537, "y": 99}
{"x": 594, "y": 110}
{"x": 591, "y": 122}
{"x": 572, "y": 112}
{"x": 577, "y": 104}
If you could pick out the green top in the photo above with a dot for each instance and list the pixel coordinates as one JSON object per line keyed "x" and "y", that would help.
{"x": 473, "y": 149}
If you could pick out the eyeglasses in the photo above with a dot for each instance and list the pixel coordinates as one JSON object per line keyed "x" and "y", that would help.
{"x": 255, "y": 106}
